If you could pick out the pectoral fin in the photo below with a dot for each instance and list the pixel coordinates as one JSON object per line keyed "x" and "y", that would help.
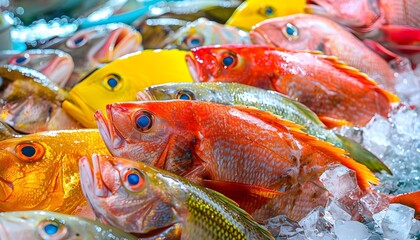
{"x": 333, "y": 122}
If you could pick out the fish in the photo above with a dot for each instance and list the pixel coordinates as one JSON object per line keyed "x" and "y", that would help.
{"x": 7, "y": 132}
{"x": 52, "y": 225}
{"x": 93, "y": 46}
{"x": 121, "y": 79}
{"x": 316, "y": 33}
{"x": 53, "y": 63}
{"x": 204, "y": 32}
{"x": 40, "y": 171}
{"x": 165, "y": 19}
{"x": 338, "y": 94}
{"x": 273, "y": 166}
{"x": 161, "y": 205}
{"x": 251, "y": 12}
{"x": 31, "y": 102}
{"x": 266, "y": 100}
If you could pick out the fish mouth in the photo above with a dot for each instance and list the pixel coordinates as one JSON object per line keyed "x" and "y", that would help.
{"x": 6, "y": 189}
{"x": 258, "y": 36}
{"x": 60, "y": 69}
{"x": 193, "y": 68}
{"x": 121, "y": 41}
{"x": 79, "y": 110}
{"x": 317, "y": 7}
{"x": 145, "y": 95}
{"x": 112, "y": 138}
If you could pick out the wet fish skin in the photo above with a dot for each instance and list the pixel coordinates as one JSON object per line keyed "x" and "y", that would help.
{"x": 266, "y": 100}
{"x": 46, "y": 225}
{"x": 161, "y": 204}
{"x": 45, "y": 176}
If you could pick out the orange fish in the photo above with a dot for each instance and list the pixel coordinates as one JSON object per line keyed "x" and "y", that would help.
{"x": 247, "y": 154}
{"x": 315, "y": 33}
{"x": 40, "y": 171}
{"x": 337, "y": 93}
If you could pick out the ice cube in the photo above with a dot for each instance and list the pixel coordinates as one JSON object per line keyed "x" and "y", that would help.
{"x": 351, "y": 230}
{"x": 376, "y": 135}
{"x": 372, "y": 203}
{"x": 282, "y": 227}
{"x": 334, "y": 211}
{"x": 415, "y": 229}
{"x": 397, "y": 221}
{"x": 315, "y": 226}
{"x": 339, "y": 181}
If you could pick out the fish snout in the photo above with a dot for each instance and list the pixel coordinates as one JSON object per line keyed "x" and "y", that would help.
{"x": 59, "y": 69}
{"x": 121, "y": 41}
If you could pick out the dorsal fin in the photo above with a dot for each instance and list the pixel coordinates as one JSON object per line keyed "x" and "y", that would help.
{"x": 364, "y": 175}
{"x": 353, "y": 72}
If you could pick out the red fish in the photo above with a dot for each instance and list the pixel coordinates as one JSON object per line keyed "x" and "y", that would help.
{"x": 315, "y": 33}
{"x": 336, "y": 92}
{"x": 247, "y": 154}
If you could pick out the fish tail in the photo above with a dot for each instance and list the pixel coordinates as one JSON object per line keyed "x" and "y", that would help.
{"x": 409, "y": 199}
{"x": 363, "y": 156}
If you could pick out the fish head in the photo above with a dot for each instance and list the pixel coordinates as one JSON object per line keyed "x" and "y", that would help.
{"x": 53, "y": 63}
{"x": 229, "y": 63}
{"x": 194, "y": 34}
{"x": 353, "y": 14}
{"x": 121, "y": 79}
{"x": 251, "y": 12}
{"x": 52, "y": 225}
{"x": 183, "y": 91}
{"x": 101, "y": 44}
{"x": 295, "y": 32}
{"x": 29, "y": 174}
{"x": 130, "y": 195}
{"x": 151, "y": 132}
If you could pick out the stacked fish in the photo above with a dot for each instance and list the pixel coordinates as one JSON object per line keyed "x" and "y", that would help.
{"x": 202, "y": 120}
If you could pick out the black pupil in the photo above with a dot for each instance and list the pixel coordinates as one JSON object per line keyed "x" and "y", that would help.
{"x": 28, "y": 151}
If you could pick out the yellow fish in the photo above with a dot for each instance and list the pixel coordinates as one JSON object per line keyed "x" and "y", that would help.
{"x": 40, "y": 171}
{"x": 252, "y": 12}
{"x": 121, "y": 79}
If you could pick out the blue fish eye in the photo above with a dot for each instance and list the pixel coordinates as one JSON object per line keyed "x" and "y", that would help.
{"x": 112, "y": 82}
{"x": 133, "y": 178}
{"x": 20, "y": 60}
{"x": 144, "y": 121}
{"x": 28, "y": 151}
{"x": 291, "y": 31}
{"x": 184, "y": 96}
{"x": 269, "y": 11}
{"x": 51, "y": 229}
{"x": 195, "y": 41}
{"x": 227, "y": 61}
{"x": 79, "y": 41}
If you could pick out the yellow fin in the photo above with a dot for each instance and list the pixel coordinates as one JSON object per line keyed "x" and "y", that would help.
{"x": 353, "y": 72}
{"x": 364, "y": 175}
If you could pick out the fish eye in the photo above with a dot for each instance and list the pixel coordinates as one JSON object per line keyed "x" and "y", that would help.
{"x": 228, "y": 60}
{"x": 76, "y": 42}
{"x": 193, "y": 40}
{"x": 267, "y": 11}
{"x": 290, "y": 31}
{"x": 20, "y": 59}
{"x": 143, "y": 120}
{"x": 185, "y": 95}
{"x": 52, "y": 229}
{"x": 133, "y": 179}
{"x": 112, "y": 82}
{"x": 30, "y": 151}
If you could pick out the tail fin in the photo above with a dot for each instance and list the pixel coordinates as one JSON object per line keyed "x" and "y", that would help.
{"x": 363, "y": 156}
{"x": 409, "y": 199}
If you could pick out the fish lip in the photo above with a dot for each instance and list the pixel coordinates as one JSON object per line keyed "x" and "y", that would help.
{"x": 8, "y": 184}
{"x": 145, "y": 95}
{"x": 60, "y": 68}
{"x": 316, "y": 7}
{"x": 91, "y": 174}
{"x": 112, "y": 138}
{"x": 76, "y": 107}
{"x": 259, "y": 37}
{"x": 193, "y": 68}
{"x": 121, "y": 41}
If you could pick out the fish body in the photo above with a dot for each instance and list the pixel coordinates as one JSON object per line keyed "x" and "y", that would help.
{"x": 31, "y": 102}
{"x": 251, "y": 12}
{"x": 226, "y": 148}
{"x": 121, "y": 79}
{"x": 325, "y": 85}
{"x": 161, "y": 205}
{"x": 266, "y": 100}
{"x": 96, "y": 45}
{"x": 316, "y": 33}
{"x": 40, "y": 171}
{"x": 203, "y": 32}
{"x": 51, "y": 225}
